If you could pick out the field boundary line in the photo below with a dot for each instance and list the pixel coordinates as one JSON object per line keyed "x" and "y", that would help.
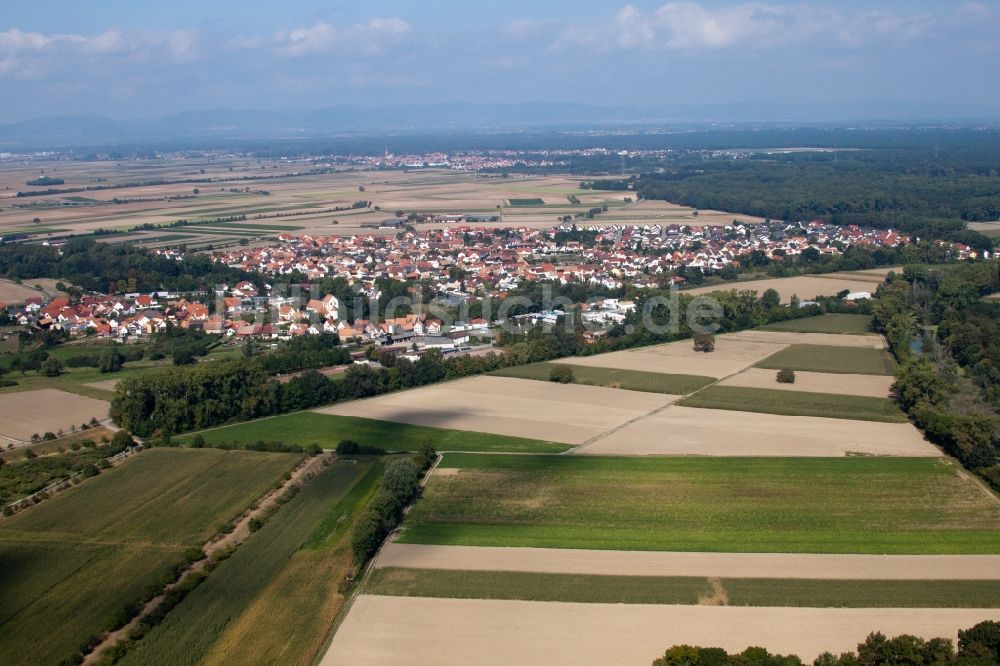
{"x": 671, "y": 403}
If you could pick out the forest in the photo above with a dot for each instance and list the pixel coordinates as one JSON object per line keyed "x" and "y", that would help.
{"x": 115, "y": 269}
{"x": 907, "y": 190}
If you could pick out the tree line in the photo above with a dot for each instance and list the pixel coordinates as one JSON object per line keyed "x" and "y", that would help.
{"x": 176, "y": 400}
{"x": 977, "y": 646}
{"x": 943, "y": 336}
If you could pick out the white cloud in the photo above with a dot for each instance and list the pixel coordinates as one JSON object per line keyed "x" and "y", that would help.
{"x": 688, "y": 26}
{"x": 368, "y": 38}
{"x": 30, "y": 54}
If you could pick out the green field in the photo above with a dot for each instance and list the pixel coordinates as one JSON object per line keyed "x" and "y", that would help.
{"x": 526, "y": 202}
{"x": 328, "y": 430}
{"x": 823, "y": 358}
{"x": 850, "y": 324}
{"x": 795, "y": 505}
{"x": 797, "y": 403}
{"x": 633, "y": 380}
{"x": 72, "y": 562}
{"x": 278, "y": 593}
{"x": 526, "y": 586}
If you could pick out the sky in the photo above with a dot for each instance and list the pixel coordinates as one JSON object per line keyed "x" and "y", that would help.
{"x": 125, "y": 59}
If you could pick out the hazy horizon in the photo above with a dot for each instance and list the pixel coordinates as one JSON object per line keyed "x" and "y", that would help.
{"x": 912, "y": 59}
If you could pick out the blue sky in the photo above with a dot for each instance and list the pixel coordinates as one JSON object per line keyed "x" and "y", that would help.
{"x": 126, "y": 59}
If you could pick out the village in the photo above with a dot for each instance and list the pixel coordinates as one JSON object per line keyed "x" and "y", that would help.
{"x": 455, "y": 265}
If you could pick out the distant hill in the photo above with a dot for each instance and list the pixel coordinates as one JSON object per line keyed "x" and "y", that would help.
{"x": 339, "y": 121}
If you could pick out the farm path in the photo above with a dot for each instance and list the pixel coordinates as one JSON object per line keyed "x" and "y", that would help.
{"x": 215, "y": 545}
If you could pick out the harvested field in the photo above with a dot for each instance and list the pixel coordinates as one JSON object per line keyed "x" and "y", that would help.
{"x": 848, "y": 324}
{"x": 711, "y": 590}
{"x": 796, "y": 403}
{"x": 328, "y": 430}
{"x": 731, "y": 355}
{"x": 786, "y": 505}
{"x": 392, "y": 630}
{"x": 825, "y": 358}
{"x": 632, "y": 380}
{"x": 703, "y": 432}
{"x": 567, "y": 413}
{"x": 46, "y": 410}
{"x": 874, "y": 386}
{"x": 723, "y": 565}
{"x": 12, "y": 293}
{"x": 803, "y": 338}
{"x": 806, "y": 287}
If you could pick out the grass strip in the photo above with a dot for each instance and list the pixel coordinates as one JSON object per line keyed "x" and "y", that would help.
{"x": 824, "y": 358}
{"x": 587, "y": 588}
{"x": 797, "y": 403}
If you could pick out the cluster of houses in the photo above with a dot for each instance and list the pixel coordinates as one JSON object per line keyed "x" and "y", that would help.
{"x": 468, "y": 261}
{"x": 456, "y": 264}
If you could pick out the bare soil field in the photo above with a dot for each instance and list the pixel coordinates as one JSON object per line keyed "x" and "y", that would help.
{"x": 14, "y": 294}
{"x": 567, "y": 413}
{"x": 46, "y": 410}
{"x": 730, "y": 356}
{"x": 875, "y": 386}
{"x": 707, "y": 432}
{"x": 721, "y": 565}
{"x": 804, "y": 286}
{"x": 787, "y": 338}
{"x": 414, "y": 630}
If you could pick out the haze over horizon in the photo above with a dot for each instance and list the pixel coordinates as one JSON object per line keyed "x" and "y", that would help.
{"x": 916, "y": 59}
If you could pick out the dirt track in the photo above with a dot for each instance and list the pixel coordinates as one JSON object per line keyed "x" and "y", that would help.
{"x": 722, "y": 565}
{"x": 709, "y": 432}
{"x": 875, "y": 386}
{"x": 567, "y": 413}
{"x": 413, "y": 630}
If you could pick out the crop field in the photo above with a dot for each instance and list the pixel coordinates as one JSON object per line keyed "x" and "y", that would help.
{"x": 277, "y": 595}
{"x": 795, "y": 403}
{"x": 46, "y": 410}
{"x": 848, "y": 324}
{"x": 624, "y": 589}
{"x": 703, "y": 432}
{"x": 526, "y": 202}
{"x": 452, "y": 632}
{"x": 328, "y": 430}
{"x": 632, "y": 380}
{"x": 72, "y": 562}
{"x": 801, "y": 505}
{"x": 566, "y": 413}
{"x": 875, "y": 386}
{"x": 818, "y": 358}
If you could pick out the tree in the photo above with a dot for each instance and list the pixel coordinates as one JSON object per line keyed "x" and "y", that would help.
{"x": 111, "y": 360}
{"x": 770, "y": 299}
{"x": 786, "y": 376}
{"x": 562, "y": 374}
{"x": 704, "y": 342}
{"x": 52, "y": 367}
